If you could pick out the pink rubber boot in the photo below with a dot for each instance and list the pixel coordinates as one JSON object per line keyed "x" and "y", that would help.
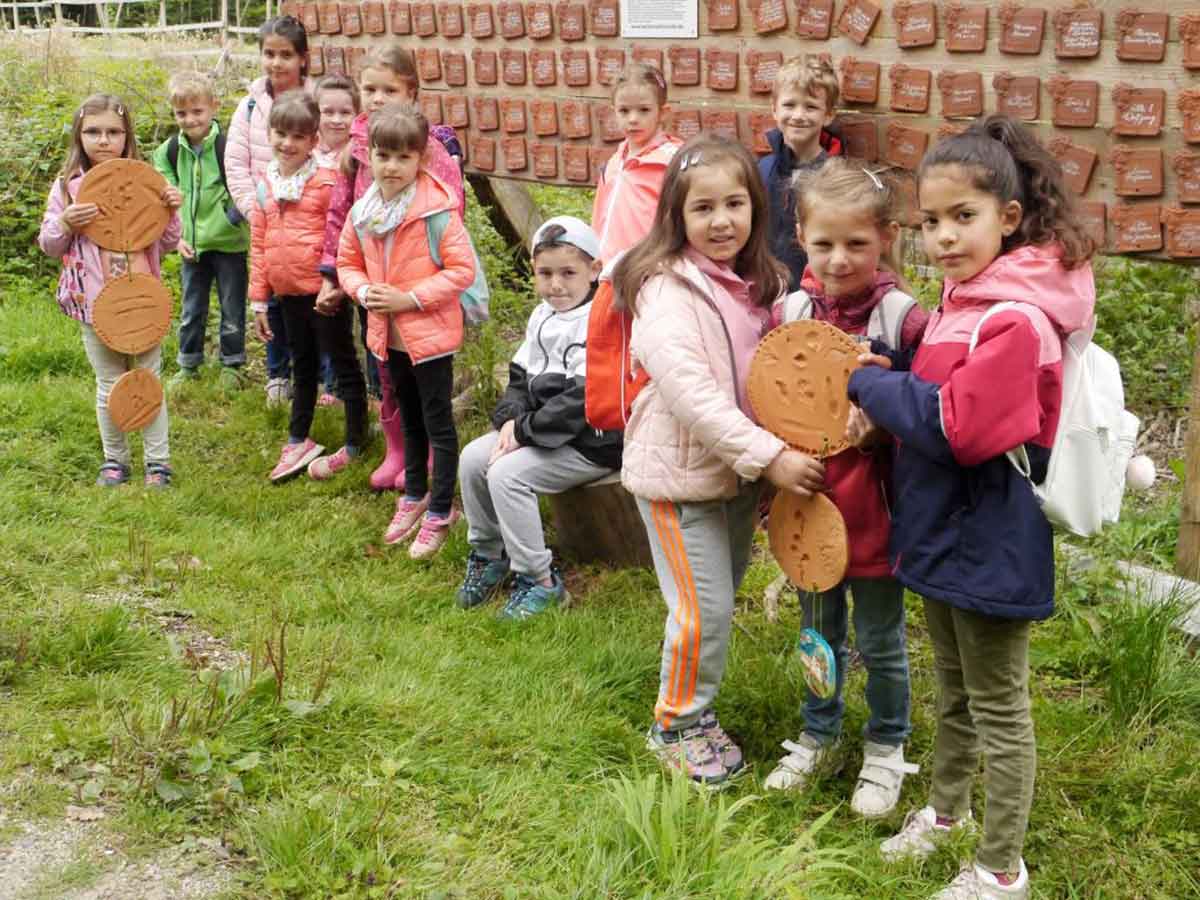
{"x": 390, "y": 473}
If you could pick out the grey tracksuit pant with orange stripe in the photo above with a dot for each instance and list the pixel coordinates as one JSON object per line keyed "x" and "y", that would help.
{"x": 700, "y": 551}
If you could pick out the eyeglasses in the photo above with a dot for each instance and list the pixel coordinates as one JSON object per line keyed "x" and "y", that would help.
{"x": 95, "y": 134}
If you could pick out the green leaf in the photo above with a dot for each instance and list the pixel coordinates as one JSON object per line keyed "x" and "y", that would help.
{"x": 1179, "y": 468}
{"x": 247, "y": 762}
{"x": 169, "y": 791}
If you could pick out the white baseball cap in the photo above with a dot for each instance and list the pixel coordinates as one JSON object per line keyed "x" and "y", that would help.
{"x": 576, "y": 232}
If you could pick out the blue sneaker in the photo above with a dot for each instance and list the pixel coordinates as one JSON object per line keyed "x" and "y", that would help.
{"x": 528, "y": 598}
{"x": 483, "y": 580}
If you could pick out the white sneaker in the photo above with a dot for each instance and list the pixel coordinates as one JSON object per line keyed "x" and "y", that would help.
{"x": 880, "y": 779}
{"x": 975, "y": 883}
{"x": 805, "y": 756}
{"x": 919, "y": 837}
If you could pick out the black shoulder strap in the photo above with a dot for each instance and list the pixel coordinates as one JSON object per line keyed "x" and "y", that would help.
{"x": 219, "y": 149}
{"x": 173, "y": 154}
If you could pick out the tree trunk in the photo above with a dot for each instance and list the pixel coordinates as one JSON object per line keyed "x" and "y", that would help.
{"x": 600, "y": 522}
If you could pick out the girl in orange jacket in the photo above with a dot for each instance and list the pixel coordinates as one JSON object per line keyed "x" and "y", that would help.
{"x": 388, "y": 263}
{"x": 287, "y": 227}
{"x": 631, "y": 180}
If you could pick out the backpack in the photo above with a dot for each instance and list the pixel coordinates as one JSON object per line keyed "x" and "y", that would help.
{"x": 1085, "y": 479}
{"x": 612, "y": 383}
{"x": 885, "y": 324}
{"x": 474, "y": 299}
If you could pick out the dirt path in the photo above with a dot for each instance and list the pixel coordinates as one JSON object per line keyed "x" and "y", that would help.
{"x": 72, "y": 860}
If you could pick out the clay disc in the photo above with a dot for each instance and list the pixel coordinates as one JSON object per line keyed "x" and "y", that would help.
{"x": 135, "y": 399}
{"x": 797, "y": 385}
{"x": 808, "y": 540}
{"x": 129, "y": 194}
{"x": 132, "y": 313}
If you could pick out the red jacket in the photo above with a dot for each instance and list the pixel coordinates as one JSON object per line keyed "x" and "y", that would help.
{"x": 402, "y": 259}
{"x": 860, "y": 483}
{"x": 286, "y": 241}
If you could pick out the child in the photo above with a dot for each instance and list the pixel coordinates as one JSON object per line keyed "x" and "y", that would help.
{"x": 388, "y": 75}
{"x": 213, "y": 246}
{"x": 103, "y": 130}
{"x": 414, "y": 320}
{"x": 701, "y": 287}
{"x": 846, "y": 221}
{"x": 542, "y": 443}
{"x": 287, "y": 230}
{"x": 631, "y": 180}
{"x": 337, "y": 98}
{"x": 969, "y": 535}
{"x": 283, "y": 53}
{"x": 803, "y": 99}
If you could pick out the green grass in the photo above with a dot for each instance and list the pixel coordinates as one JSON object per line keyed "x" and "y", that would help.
{"x": 415, "y": 748}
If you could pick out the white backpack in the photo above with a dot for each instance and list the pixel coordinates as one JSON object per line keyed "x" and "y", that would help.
{"x": 1085, "y": 479}
{"x": 885, "y": 324}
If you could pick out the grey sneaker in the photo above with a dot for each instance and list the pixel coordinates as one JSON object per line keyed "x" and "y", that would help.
{"x": 880, "y": 780}
{"x": 528, "y": 598}
{"x": 920, "y": 835}
{"x": 184, "y": 375}
{"x": 483, "y": 581}
{"x": 806, "y": 755}
{"x": 279, "y": 391}
{"x": 730, "y": 753}
{"x": 688, "y": 750}
{"x": 976, "y": 883}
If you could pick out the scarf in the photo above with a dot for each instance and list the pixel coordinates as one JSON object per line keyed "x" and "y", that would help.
{"x": 374, "y": 215}
{"x": 289, "y": 188}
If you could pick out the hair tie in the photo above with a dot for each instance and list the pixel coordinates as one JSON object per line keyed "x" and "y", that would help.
{"x": 874, "y": 178}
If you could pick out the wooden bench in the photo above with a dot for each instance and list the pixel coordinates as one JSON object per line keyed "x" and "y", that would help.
{"x": 599, "y": 522}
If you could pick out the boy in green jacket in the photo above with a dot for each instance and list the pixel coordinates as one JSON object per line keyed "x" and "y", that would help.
{"x": 215, "y": 237}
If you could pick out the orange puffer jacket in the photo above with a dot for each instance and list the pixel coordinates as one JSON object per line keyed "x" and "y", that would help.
{"x": 286, "y": 240}
{"x": 402, "y": 259}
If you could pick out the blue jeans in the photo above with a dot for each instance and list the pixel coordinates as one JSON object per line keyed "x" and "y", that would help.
{"x": 879, "y": 636}
{"x": 279, "y": 358}
{"x": 228, "y": 270}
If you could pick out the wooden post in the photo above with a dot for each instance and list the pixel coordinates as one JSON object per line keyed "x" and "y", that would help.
{"x": 58, "y": 16}
{"x": 1187, "y": 551}
{"x": 162, "y": 13}
{"x": 511, "y": 207}
{"x": 600, "y": 522}
{"x": 224, "y": 21}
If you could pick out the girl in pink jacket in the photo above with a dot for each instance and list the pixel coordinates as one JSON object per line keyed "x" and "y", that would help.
{"x": 388, "y": 75}
{"x": 405, "y": 256}
{"x": 631, "y": 180}
{"x": 103, "y": 130}
{"x": 283, "y": 52}
{"x": 701, "y": 288}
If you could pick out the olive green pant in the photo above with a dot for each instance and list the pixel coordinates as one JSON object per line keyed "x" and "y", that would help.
{"x": 982, "y": 667}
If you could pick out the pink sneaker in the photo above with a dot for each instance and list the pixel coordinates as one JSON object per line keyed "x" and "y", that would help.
{"x": 406, "y": 520}
{"x": 327, "y": 399}
{"x": 433, "y": 533}
{"x": 295, "y": 457}
{"x": 327, "y": 466}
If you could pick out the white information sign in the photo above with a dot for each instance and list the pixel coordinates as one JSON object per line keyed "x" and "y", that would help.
{"x": 660, "y": 18}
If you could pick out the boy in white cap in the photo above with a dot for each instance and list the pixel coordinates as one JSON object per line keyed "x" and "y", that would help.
{"x": 541, "y": 442}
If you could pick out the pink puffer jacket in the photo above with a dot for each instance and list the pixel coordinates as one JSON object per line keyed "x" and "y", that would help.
{"x": 248, "y": 143}
{"x": 687, "y": 440}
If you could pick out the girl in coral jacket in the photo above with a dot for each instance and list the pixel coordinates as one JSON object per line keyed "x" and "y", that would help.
{"x": 968, "y": 534}
{"x": 287, "y": 227}
{"x": 415, "y": 320}
{"x": 701, "y": 289}
{"x": 103, "y": 130}
{"x": 283, "y": 59}
{"x": 388, "y": 75}
{"x": 631, "y": 180}
{"x": 847, "y": 224}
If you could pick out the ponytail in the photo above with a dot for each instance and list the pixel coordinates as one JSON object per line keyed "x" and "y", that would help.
{"x": 1003, "y": 159}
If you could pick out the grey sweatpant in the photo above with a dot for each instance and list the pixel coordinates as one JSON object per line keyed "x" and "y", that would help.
{"x": 501, "y": 502}
{"x": 109, "y": 366}
{"x": 700, "y": 551}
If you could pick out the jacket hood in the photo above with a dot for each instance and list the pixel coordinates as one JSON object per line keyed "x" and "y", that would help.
{"x": 1032, "y": 274}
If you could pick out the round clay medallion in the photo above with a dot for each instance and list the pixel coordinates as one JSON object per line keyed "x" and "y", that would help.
{"x": 135, "y": 399}
{"x": 797, "y": 385}
{"x": 132, "y": 313}
{"x": 808, "y": 540}
{"x": 129, "y": 194}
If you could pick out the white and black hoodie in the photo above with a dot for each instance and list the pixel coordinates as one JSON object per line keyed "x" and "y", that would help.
{"x": 545, "y": 394}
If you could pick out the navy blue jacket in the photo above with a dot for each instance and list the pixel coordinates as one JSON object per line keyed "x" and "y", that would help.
{"x": 967, "y": 529}
{"x": 776, "y": 171}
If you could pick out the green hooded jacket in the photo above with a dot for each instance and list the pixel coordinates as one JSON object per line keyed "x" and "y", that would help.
{"x": 206, "y": 225}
